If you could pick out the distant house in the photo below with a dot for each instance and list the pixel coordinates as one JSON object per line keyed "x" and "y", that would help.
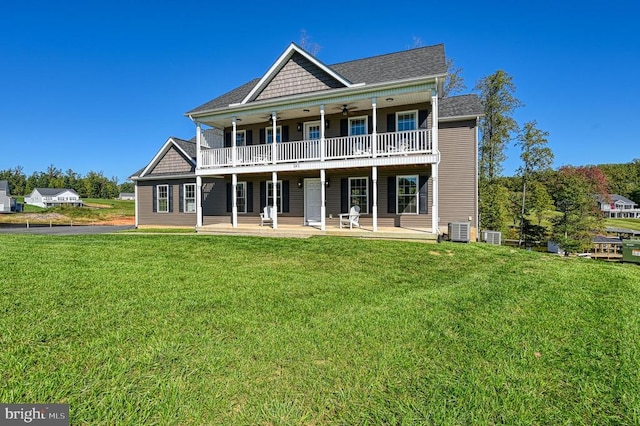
{"x": 127, "y": 196}
{"x": 53, "y": 197}
{"x": 620, "y": 207}
{"x": 7, "y": 202}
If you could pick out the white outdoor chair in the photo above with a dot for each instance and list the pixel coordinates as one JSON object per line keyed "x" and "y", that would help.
{"x": 352, "y": 218}
{"x": 266, "y": 215}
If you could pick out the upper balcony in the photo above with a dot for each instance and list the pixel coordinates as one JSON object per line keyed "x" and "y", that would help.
{"x": 343, "y": 151}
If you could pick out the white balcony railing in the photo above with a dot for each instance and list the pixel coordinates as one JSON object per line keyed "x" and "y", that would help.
{"x": 340, "y": 148}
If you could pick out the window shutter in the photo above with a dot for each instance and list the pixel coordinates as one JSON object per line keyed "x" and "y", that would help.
{"x": 263, "y": 195}
{"x": 422, "y": 119}
{"x": 285, "y": 196}
{"x": 391, "y": 194}
{"x": 370, "y": 195}
{"x": 170, "y": 198}
{"x": 423, "y": 199}
{"x": 181, "y": 200}
{"x": 370, "y": 121}
{"x": 263, "y": 137}
{"x": 344, "y": 127}
{"x": 227, "y": 140}
{"x": 344, "y": 195}
{"x": 285, "y": 133}
{"x": 155, "y": 198}
{"x": 391, "y": 123}
{"x": 249, "y": 140}
{"x": 250, "y": 197}
{"x": 229, "y": 201}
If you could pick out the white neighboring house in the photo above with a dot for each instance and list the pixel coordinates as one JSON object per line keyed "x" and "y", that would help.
{"x": 7, "y": 202}
{"x": 53, "y": 197}
{"x": 620, "y": 207}
{"x": 127, "y": 196}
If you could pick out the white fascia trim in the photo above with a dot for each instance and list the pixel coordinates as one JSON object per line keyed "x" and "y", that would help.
{"x": 162, "y": 152}
{"x": 166, "y": 177}
{"x": 458, "y": 118}
{"x": 282, "y": 60}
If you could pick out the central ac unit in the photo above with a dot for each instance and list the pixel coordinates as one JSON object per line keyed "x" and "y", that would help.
{"x": 492, "y": 237}
{"x": 460, "y": 232}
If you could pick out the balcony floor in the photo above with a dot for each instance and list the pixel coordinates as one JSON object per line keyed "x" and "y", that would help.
{"x": 299, "y": 231}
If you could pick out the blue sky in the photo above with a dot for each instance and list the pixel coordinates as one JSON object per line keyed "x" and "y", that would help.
{"x": 100, "y": 86}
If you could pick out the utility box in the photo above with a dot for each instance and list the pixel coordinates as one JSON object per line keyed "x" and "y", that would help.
{"x": 631, "y": 251}
{"x": 492, "y": 237}
{"x": 460, "y": 232}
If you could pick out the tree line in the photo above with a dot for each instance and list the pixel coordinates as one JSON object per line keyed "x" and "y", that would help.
{"x": 538, "y": 202}
{"x": 93, "y": 185}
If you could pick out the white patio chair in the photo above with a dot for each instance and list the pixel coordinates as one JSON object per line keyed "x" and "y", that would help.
{"x": 266, "y": 215}
{"x": 352, "y": 218}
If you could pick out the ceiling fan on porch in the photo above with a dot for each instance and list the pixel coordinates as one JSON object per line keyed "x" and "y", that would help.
{"x": 346, "y": 108}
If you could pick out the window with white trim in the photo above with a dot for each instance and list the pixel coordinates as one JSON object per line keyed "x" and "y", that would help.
{"x": 269, "y": 134}
{"x": 241, "y": 137}
{"x": 241, "y": 197}
{"x": 407, "y": 194}
{"x": 278, "y": 194}
{"x": 359, "y": 193}
{"x": 406, "y": 120}
{"x": 189, "y": 200}
{"x": 358, "y": 126}
{"x": 312, "y": 130}
{"x": 162, "y": 198}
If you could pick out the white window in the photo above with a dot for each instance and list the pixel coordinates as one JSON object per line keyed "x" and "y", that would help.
{"x": 406, "y": 120}
{"x": 269, "y": 134}
{"x": 278, "y": 194}
{"x": 359, "y": 193}
{"x": 189, "y": 198}
{"x": 407, "y": 194}
{"x": 312, "y": 130}
{"x": 162, "y": 198}
{"x": 241, "y": 137}
{"x": 241, "y": 197}
{"x": 358, "y": 126}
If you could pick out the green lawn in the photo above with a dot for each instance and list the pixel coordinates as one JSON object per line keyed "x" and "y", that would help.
{"x": 624, "y": 223}
{"x": 192, "y": 330}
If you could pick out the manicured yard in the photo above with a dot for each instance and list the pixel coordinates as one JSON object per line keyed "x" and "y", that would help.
{"x": 624, "y": 223}
{"x": 192, "y": 330}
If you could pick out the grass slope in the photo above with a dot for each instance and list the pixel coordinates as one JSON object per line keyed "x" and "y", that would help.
{"x": 623, "y": 223}
{"x": 169, "y": 329}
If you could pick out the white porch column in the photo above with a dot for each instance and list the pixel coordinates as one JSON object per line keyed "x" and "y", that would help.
{"x": 234, "y": 200}
{"x": 136, "y": 202}
{"x": 234, "y": 132}
{"x": 274, "y": 151}
{"x": 374, "y": 192}
{"x": 274, "y": 178}
{"x": 374, "y": 134}
{"x": 323, "y": 207}
{"x": 198, "y": 144}
{"x": 198, "y": 201}
{"x": 322, "y": 141}
{"x": 435, "y": 220}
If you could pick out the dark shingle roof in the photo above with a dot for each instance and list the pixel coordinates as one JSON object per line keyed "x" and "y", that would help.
{"x": 460, "y": 106}
{"x": 188, "y": 146}
{"x": 420, "y": 62}
{"x": 616, "y": 197}
{"x": 52, "y": 192}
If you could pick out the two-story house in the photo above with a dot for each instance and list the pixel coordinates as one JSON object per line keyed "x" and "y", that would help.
{"x": 312, "y": 140}
{"x": 7, "y": 202}
{"x": 619, "y": 207}
{"x": 53, "y": 197}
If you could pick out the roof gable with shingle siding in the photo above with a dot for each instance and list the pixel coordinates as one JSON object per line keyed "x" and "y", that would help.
{"x": 421, "y": 62}
{"x": 173, "y": 162}
{"x": 298, "y": 75}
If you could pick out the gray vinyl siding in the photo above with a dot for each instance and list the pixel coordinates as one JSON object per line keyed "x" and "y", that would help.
{"x": 457, "y": 173}
{"x": 146, "y": 215}
{"x": 298, "y": 75}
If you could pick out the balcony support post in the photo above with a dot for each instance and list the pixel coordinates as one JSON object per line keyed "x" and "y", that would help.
{"x": 198, "y": 201}
{"x": 323, "y": 207}
{"x": 374, "y": 134}
{"x": 435, "y": 220}
{"x": 234, "y": 200}
{"x": 198, "y": 145}
{"x": 322, "y": 138}
{"x": 374, "y": 192}
{"x": 274, "y": 178}
{"x": 274, "y": 140}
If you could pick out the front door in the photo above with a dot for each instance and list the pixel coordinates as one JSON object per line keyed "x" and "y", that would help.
{"x": 312, "y": 201}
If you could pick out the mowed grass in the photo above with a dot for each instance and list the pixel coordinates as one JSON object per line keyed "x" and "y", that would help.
{"x": 624, "y": 223}
{"x": 194, "y": 330}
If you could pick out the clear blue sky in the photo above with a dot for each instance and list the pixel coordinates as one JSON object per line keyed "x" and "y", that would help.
{"x": 101, "y": 85}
